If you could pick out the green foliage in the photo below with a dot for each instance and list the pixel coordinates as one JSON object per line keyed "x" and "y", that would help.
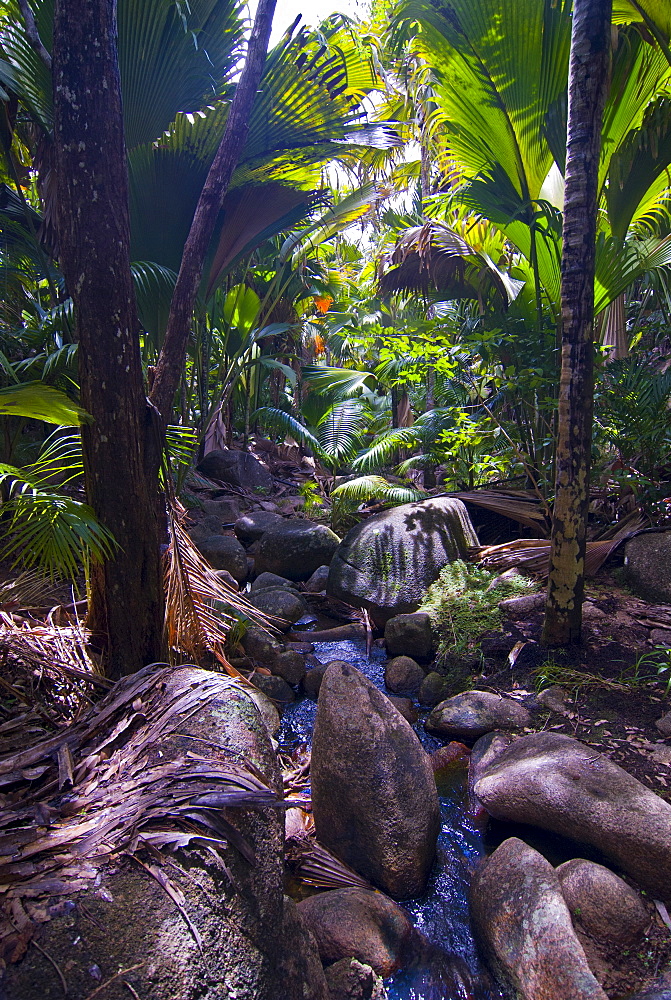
{"x": 47, "y": 528}
{"x": 348, "y": 497}
{"x": 463, "y": 605}
{"x": 633, "y": 426}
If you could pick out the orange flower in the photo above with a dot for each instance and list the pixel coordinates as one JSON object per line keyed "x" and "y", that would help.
{"x": 323, "y": 302}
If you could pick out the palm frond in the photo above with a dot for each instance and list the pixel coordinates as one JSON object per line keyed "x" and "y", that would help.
{"x": 200, "y": 607}
{"x": 336, "y": 383}
{"x": 41, "y": 402}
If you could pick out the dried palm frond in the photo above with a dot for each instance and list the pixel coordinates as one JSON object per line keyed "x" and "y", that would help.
{"x": 313, "y": 864}
{"x": 520, "y": 506}
{"x": 200, "y": 607}
{"x": 60, "y": 650}
{"x": 100, "y": 789}
{"x": 532, "y": 555}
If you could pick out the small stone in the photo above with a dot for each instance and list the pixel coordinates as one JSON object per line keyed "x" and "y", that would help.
{"x": 313, "y": 681}
{"x": 275, "y": 687}
{"x": 301, "y": 647}
{"x": 453, "y": 756}
{"x": 664, "y": 724}
{"x": 515, "y": 607}
{"x": 433, "y": 689}
{"x": 227, "y": 579}
{"x": 403, "y": 674}
{"x": 284, "y": 605}
{"x": 661, "y": 637}
{"x": 349, "y": 979}
{"x": 554, "y": 699}
{"x": 317, "y": 582}
{"x": 290, "y": 665}
{"x": 261, "y": 646}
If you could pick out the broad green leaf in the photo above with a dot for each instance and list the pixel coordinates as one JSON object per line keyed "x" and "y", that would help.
{"x": 41, "y": 402}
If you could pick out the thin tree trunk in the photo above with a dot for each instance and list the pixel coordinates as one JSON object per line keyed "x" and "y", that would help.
{"x": 126, "y": 593}
{"x": 173, "y": 352}
{"x": 588, "y": 83}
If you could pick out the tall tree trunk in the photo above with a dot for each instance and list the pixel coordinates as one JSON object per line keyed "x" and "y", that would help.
{"x": 126, "y": 594}
{"x": 588, "y": 83}
{"x": 171, "y": 359}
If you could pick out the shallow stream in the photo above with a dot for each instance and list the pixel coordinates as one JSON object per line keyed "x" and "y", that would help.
{"x": 441, "y": 914}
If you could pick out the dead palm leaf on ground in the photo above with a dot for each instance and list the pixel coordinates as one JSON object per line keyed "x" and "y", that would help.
{"x": 100, "y": 788}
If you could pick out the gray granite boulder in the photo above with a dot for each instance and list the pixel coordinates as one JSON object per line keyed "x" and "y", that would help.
{"x": 403, "y": 674}
{"x": 559, "y": 784}
{"x": 525, "y": 927}
{"x": 252, "y": 526}
{"x": 224, "y": 552}
{"x": 285, "y": 605}
{"x": 386, "y": 562}
{"x": 374, "y": 797}
{"x": 410, "y": 635}
{"x": 127, "y": 921}
{"x": 238, "y": 468}
{"x": 349, "y": 979}
{"x": 602, "y": 904}
{"x": 295, "y": 549}
{"x": 361, "y": 924}
{"x": 474, "y": 713}
{"x": 647, "y": 565}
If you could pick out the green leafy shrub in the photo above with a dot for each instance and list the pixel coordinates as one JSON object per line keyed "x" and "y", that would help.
{"x": 463, "y": 605}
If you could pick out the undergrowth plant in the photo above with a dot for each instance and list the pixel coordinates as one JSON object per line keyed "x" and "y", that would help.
{"x": 463, "y": 605}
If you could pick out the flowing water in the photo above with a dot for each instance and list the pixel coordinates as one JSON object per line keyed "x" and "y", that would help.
{"x": 451, "y": 968}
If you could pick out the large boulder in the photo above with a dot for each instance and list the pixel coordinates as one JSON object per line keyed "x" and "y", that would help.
{"x": 295, "y": 549}
{"x": 238, "y": 468}
{"x": 127, "y": 920}
{"x": 285, "y": 605}
{"x": 525, "y": 927}
{"x": 557, "y": 783}
{"x": 361, "y": 924}
{"x": 374, "y": 798}
{"x": 647, "y": 565}
{"x": 386, "y": 562}
{"x": 474, "y": 713}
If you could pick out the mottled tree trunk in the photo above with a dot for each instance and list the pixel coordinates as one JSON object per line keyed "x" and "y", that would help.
{"x": 126, "y": 596}
{"x": 588, "y": 82}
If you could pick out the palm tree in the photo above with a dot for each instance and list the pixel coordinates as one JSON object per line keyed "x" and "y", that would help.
{"x": 588, "y": 83}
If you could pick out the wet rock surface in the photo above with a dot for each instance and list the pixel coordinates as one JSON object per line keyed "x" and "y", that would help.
{"x": 373, "y": 793}
{"x": 251, "y": 526}
{"x": 526, "y": 928}
{"x": 557, "y": 783}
